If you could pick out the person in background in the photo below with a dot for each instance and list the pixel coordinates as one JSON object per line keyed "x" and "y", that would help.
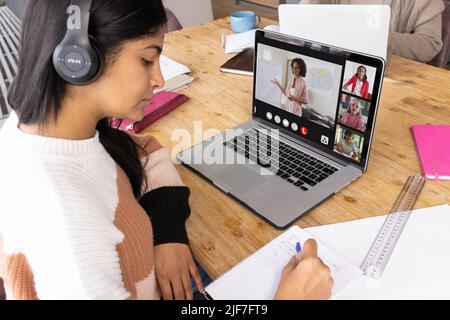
{"x": 296, "y": 91}
{"x": 353, "y": 117}
{"x": 416, "y": 26}
{"x": 359, "y": 83}
{"x": 88, "y": 211}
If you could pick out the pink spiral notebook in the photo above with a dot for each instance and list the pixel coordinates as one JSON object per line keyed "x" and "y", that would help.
{"x": 433, "y": 149}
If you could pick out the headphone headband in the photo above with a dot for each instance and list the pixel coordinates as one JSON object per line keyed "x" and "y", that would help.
{"x": 79, "y": 13}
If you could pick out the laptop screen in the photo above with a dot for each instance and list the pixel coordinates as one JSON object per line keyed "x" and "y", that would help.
{"x": 325, "y": 96}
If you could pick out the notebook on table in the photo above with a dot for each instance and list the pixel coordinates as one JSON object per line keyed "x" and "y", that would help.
{"x": 433, "y": 149}
{"x": 161, "y": 104}
{"x": 242, "y": 63}
{"x": 257, "y": 277}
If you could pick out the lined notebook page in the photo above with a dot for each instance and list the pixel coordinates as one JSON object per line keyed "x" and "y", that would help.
{"x": 257, "y": 277}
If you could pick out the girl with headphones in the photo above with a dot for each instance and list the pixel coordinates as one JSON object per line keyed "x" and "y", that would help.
{"x": 88, "y": 211}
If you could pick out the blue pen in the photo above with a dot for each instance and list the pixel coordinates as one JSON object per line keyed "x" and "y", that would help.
{"x": 298, "y": 249}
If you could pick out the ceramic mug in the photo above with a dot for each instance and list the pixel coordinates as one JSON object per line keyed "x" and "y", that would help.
{"x": 242, "y": 21}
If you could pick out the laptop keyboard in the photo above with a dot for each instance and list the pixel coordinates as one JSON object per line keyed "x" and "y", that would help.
{"x": 296, "y": 167}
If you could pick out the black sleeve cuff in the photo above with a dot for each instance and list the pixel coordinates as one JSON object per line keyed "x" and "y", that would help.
{"x": 168, "y": 209}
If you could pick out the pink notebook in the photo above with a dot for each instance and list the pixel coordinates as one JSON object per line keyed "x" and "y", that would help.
{"x": 433, "y": 149}
{"x": 161, "y": 104}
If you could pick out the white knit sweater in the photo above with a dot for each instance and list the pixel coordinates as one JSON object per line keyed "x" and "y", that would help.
{"x": 70, "y": 225}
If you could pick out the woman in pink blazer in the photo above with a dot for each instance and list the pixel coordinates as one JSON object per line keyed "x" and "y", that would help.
{"x": 296, "y": 90}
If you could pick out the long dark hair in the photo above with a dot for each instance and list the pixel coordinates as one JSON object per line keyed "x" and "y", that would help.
{"x": 37, "y": 92}
{"x": 365, "y": 74}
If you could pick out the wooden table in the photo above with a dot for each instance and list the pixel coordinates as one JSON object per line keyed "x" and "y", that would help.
{"x": 223, "y": 232}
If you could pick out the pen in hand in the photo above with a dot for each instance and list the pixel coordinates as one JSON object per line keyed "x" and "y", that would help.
{"x": 298, "y": 249}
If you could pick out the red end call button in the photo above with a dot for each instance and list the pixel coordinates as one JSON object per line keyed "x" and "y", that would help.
{"x": 304, "y": 131}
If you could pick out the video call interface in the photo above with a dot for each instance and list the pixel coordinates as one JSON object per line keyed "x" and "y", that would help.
{"x": 330, "y": 102}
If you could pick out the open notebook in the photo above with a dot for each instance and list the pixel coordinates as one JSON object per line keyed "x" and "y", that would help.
{"x": 257, "y": 277}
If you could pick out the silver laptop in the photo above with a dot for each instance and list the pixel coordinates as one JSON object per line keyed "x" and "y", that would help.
{"x": 301, "y": 147}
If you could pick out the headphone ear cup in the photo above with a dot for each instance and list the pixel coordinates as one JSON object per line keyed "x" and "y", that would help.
{"x": 77, "y": 58}
{"x": 88, "y": 60}
{"x": 98, "y": 60}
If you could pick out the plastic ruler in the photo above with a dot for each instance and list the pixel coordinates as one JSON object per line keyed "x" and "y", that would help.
{"x": 391, "y": 230}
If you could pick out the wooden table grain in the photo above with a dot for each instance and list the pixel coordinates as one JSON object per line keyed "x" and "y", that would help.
{"x": 222, "y": 232}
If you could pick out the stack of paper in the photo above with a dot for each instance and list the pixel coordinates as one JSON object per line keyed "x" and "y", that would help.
{"x": 175, "y": 75}
{"x": 237, "y": 42}
{"x": 177, "y": 83}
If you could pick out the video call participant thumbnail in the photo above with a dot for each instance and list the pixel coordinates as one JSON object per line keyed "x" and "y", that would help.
{"x": 359, "y": 80}
{"x": 348, "y": 143}
{"x": 354, "y": 112}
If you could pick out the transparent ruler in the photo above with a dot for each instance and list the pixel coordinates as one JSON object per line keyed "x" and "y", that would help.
{"x": 389, "y": 234}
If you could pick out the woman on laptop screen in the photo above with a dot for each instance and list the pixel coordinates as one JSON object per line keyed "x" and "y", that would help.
{"x": 296, "y": 90}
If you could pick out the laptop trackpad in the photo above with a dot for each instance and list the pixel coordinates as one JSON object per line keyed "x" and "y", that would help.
{"x": 240, "y": 178}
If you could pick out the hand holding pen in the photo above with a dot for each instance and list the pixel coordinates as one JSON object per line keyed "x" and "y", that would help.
{"x": 305, "y": 276}
{"x": 298, "y": 249}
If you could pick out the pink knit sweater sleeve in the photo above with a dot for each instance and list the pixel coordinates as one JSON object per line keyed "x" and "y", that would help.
{"x": 159, "y": 168}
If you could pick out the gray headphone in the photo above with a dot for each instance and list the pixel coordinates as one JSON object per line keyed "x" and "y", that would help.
{"x": 77, "y": 59}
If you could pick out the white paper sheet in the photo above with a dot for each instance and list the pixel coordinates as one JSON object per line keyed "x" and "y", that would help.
{"x": 419, "y": 267}
{"x": 239, "y": 41}
{"x": 171, "y": 69}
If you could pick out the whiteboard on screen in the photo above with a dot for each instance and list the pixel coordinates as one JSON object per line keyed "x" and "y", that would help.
{"x": 266, "y": 90}
{"x": 361, "y": 28}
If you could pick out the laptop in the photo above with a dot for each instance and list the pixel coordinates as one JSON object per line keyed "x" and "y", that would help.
{"x": 362, "y": 28}
{"x": 291, "y": 157}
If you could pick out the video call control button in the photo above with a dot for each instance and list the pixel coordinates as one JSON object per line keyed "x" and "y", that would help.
{"x": 304, "y": 131}
{"x": 269, "y": 116}
{"x": 294, "y": 126}
{"x": 277, "y": 119}
{"x": 286, "y": 123}
{"x": 325, "y": 140}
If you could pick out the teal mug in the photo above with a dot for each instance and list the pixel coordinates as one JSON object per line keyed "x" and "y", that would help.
{"x": 242, "y": 21}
